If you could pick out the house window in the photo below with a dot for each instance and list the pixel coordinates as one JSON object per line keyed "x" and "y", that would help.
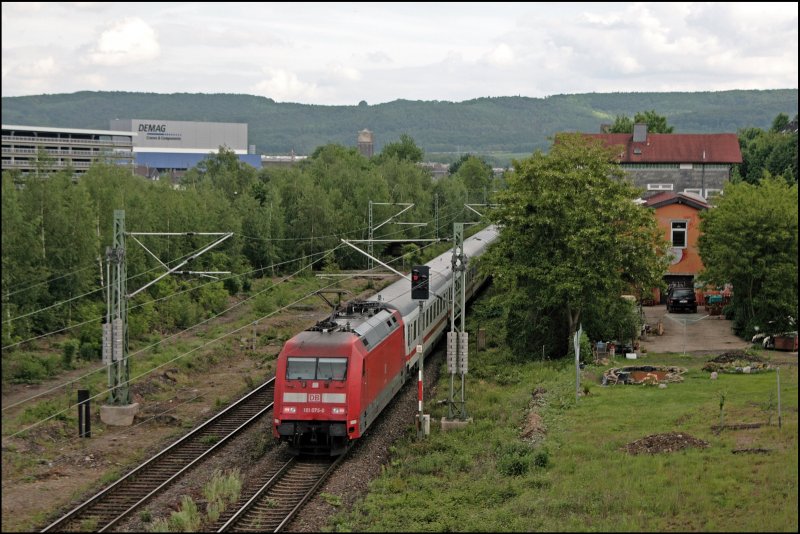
{"x": 698, "y": 192}
{"x": 659, "y": 187}
{"x": 679, "y": 234}
{"x": 711, "y": 193}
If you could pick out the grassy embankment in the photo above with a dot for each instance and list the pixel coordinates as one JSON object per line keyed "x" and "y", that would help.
{"x": 576, "y": 477}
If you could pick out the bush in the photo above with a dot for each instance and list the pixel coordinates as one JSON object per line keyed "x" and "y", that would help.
{"x": 28, "y": 368}
{"x": 514, "y": 460}
{"x": 187, "y": 519}
{"x": 541, "y": 459}
{"x": 41, "y": 411}
{"x": 90, "y": 351}
{"x": 69, "y": 349}
{"x": 221, "y": 491}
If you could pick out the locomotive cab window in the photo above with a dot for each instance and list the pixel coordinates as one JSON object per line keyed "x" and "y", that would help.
{"x": 316, "y": 368}
{"x": 301, "y": 368}
{"x": 332, "y": 368}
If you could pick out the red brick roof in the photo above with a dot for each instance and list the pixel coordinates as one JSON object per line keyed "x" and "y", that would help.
{"x": 676, "y": 148}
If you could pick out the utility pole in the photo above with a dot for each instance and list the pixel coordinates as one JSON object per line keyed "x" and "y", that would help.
{"x": 119, "y": 410}
{"x": 457, "y": 338}
{"x": 436, "y": 215}
{"x": 115, "y": 329}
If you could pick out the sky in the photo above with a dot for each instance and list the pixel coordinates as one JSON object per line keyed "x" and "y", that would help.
{"x": 343, "y": 53}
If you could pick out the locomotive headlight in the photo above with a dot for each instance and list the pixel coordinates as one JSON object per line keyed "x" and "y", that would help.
{"x": 277, "y": 421}
{"x": 337, "y": 411}
{"x": 290, "y": 409}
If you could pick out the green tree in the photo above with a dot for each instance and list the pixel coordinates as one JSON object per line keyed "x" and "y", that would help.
{"x": 23, "y": 273}
{"x": 750, "y": 241}
{"x": 225, "y": 171}
{"x": 622, "y": 124}
{"x": 477, "y": 177}
{"x": 572, "y": 235}
{"x": 773, "y": 151}
{"x": 655, "y": 123}
{"x": 780, "y": 122}
{"x": 405, "y": 149}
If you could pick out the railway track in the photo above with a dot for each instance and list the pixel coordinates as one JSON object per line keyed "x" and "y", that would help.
{"x": 105, "y": 509}
{"x": 273, "y": 506}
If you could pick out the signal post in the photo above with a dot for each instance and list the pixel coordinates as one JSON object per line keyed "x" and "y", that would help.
{"x": 420, "y": 291}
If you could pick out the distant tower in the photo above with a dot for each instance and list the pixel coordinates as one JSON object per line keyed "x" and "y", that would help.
{"x": 365, "y": 145}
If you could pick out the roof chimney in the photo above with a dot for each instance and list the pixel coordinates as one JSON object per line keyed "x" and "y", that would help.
{"x": 640, "y": 133}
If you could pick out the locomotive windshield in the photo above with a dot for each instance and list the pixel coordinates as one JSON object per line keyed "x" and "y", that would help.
{"x": 316, "y": 368}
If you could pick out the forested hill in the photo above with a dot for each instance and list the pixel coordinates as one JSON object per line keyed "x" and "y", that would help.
{"x": 484, "y": 125}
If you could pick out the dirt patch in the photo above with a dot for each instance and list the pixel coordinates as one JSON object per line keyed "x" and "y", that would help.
{"x": 736, "y": 355}
{"x": 534, "y": 429}
{"x": 669, "y": 442}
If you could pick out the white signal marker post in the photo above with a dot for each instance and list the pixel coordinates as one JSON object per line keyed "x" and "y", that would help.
{"x": 420, "y": 386}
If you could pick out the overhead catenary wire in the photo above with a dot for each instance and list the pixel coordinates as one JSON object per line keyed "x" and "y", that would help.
{"x": 185, "y": 330}
{"x": 64, "y": 384}
{"x": 101, "y": 288}
{"x": 10, "y": 293}
{"x": 218, "y": 338}
{"x": 223, "y": 336}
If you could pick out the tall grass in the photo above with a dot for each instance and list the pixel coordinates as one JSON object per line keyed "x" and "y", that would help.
{"x": 485, "y": 478}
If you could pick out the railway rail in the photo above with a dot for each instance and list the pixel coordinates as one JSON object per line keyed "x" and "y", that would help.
{"x": 273, "y": 506}
{"x": 109, "y": 506}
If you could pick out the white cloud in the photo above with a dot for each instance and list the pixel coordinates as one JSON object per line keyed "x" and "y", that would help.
{"x": 284, "y": 86}
{"x": 94, "y": 81}
{"x": 379, "y": 57}
{"x": 340, "y": 53}
{"x": 342, "y": 72}
{"x": 130, "y": 40}
{"x": 38, "y": 69}
{"x": 502, "y": 56}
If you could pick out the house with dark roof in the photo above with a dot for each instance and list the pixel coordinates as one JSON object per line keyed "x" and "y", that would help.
{"x": 678, "y": 216}
{"x": 681, "y": 163}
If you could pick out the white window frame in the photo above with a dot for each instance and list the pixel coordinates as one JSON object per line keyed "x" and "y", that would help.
{"x": 685, "y": 231}
{"x": 686, "y": 166}
{"x": 713, "y": 192}
{"x": 695, "y": 191}
{"x": 660, "y": 187}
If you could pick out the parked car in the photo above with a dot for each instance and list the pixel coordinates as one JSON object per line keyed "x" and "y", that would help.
{"x": 681, "y": 298}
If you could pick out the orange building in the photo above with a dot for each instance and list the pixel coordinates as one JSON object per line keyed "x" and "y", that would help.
{"x": 678, "y": 215}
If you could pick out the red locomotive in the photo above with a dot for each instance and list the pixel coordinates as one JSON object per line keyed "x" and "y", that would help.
{"x": 334, "y": 379}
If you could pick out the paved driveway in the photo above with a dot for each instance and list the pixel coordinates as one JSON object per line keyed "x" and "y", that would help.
{"x": 702, "y": 332}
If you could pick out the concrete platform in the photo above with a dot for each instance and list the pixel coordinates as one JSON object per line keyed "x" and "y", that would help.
{"x": 454, "y": 424}
{"x": 118, "y": 415}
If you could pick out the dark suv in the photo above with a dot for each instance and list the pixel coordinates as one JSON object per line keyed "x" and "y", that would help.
{"x": 681, "y": 298}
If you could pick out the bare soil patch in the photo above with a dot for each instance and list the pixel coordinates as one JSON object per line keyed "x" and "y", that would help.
{"x": 669, "y": 442}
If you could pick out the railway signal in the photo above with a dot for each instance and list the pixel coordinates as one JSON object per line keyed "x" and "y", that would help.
{"x": 420, "y": 284}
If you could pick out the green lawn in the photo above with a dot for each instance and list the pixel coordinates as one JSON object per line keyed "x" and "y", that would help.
{"x": 576, "y": 478}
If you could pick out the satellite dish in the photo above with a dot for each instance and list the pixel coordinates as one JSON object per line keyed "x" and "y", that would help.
{"x": 676, "y": 255}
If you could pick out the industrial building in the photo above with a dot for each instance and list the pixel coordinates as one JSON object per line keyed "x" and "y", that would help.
{"x": 172, "y": 147}
{"x": 43, "y": 149}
